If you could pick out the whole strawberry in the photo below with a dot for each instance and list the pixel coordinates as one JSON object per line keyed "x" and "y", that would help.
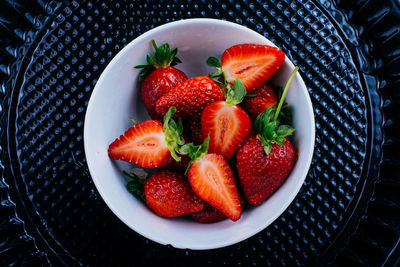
{"x": 261, "y": 174}
{"x": 262, "y": 97}
{"x": 158, "y": 76}
{"x": 266, "y": 158}
{"x": 190, "y": 97}
{"x": 169, "y": 194}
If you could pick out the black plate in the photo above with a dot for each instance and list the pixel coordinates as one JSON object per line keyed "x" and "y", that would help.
{"x": 52, "y": 53}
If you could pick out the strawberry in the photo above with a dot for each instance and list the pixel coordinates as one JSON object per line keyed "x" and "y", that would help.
{"x": 212, "y": 179}
{"x": 210, "y": 214}
{"x": 253, "y": 64}
{"x": 149, "y": 144}
{"x": 197, "y": 134}
{"x": 261, "y": 174}
{"x": 190, "y": 97}
{"x": 263, "y": 97}
{"x": 226, "y": 123}
{"x": 266, "y": 158}
{"x": 158, "y": 76}
{"x": 169, "y": 194}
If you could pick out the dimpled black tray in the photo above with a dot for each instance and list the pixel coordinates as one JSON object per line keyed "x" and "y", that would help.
{"x": 53, "y": 52}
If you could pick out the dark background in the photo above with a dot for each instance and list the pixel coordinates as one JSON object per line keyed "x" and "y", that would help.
{"x": 348, "y": 210}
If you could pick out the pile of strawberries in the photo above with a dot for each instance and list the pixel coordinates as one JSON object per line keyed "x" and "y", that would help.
{"x": 232, "y": 147}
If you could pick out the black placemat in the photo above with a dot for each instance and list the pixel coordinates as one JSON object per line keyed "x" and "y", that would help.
{"x": 52, "y": 54}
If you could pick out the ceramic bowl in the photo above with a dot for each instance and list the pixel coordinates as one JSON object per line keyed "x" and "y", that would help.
{"x": 117, "y": 96}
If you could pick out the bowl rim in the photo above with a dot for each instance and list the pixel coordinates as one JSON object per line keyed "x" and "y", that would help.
{"x": 154, "y": 238}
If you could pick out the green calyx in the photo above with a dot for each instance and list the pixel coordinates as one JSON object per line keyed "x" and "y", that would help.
{"x": 233, "y": 94}
{"x": 163, "y": 57}
{"x": 268, "y": 125}
{"x": 173, "y": 133}
{"x": 136, "y": 185}
{"x": 195, "y": 152}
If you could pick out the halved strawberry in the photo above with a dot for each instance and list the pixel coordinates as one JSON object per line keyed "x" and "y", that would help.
{"x": 169, "y": 194}
{"x": 212, "y": 179}
{"x": 143, "y": 144}
{"x": 253, "y": 64}
{"x": 226, "y": 123}
{"x": 149, "y": 144}
{"x": 210, "y": 214}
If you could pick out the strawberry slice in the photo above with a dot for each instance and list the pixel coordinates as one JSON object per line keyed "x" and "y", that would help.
{"x": 225, "y": 122}
{"x": 149, "y": 144}
{"x": 143, "y": 144}
{"x": 213, "y": 181}
{"x": 253, "y": 64}
{"x": 227, "y": 125}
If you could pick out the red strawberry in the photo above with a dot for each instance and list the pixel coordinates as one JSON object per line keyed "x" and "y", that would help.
{"x": 143, "y": 144}
{"x": 266, "y": 158}
{"x": 169, "y": 194}
{"x": 149, "y": 144}
{"x": 190, "y": 97}
{"x": 264, "y": 98}
{"x": 158, "y": 77}
{"x": 156, "y": 84}
{"x": 226, "y": 123}
{"x": 253, "y": 64}
{"x": 261, "y": 174}
{"x": 208, "y": 215}
{"x": 197, "y": 134}
{"x": 212, "y": 179}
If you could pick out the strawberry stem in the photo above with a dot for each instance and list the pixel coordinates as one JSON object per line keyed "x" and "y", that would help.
{"x": 278, "y": 109}
{"x": 154, "y": 44}
{"x": 195, "y": 152}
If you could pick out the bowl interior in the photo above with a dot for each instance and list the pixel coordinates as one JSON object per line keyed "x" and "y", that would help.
{"x": 117, "y": 96}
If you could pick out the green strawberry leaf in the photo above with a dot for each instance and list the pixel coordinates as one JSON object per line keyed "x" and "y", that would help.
{"x": 195, "y": 152}
{"x": 163, "y": 57}
{"x": 213, "y": 62}
{"x": 136, "y": 185}
{"x": 235, "y": 94}
{"x": 173, "y": 132}
{"x": 284, "y": 130}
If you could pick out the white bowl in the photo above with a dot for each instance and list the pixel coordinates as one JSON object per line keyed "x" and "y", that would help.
{"x": 117, "y": 96}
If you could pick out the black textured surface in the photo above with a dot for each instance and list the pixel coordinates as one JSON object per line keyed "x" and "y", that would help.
{"x": 51, "y": 58}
